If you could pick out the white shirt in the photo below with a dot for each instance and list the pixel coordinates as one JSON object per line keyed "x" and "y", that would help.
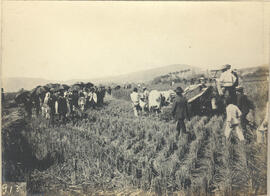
{"x": 264, "y": 124}
{"x": 227, "y": 79}
{"x": 135, "y": 98}
{"x": 233, "y": 114}
{"x": 85, "y": 94}
{"x": 93, "y": 96}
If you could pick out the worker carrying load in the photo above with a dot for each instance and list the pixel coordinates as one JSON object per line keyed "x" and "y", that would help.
{"x": 227, "y": 82}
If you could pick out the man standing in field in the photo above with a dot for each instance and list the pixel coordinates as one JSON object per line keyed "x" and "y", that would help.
{"x": 92, "y": 98}
{"x": 227, "y": 83}
{"x": 180, "y": 111}
{"x": 262, "y": 130}
{"x": 135, "y": 98}
{"x": 233, "y": 120}
{"x": 245, "y": 105}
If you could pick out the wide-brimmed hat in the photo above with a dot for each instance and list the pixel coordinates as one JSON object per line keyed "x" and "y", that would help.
{"x": 179, "y": 90}
{"x": 227, "y": 66}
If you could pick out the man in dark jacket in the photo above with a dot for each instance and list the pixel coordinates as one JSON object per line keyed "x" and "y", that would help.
{"x": 62, "y": 107}
{"x": 180, "y": 111}
{"x": 245, "y": 105}
{"x": 51, "y": 103}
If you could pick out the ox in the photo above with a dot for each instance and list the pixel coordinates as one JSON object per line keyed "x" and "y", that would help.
{"x": 155, "y": 101}
{"x": 168, "y": 96}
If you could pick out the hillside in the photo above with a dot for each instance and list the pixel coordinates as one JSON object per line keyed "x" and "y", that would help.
{"x": 261, "y": 72}
{"x": 150, "y": 74}
{"x": 15, "y": 84}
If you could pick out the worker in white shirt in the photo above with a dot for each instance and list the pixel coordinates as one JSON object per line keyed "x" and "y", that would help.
{"x": 92, "y": 98}
{"x": 233, "y": 121}
{"x": 262, "y": 130}
{"x": 135, "y": 98}
{"x": 227, "y": 83}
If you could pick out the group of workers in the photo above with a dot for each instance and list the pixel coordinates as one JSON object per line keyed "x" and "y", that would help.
{"x": 66, "y": 103}
{"x": 237, "y": 105}
{"x": 139, "y": 100}
{"x": 62, "y": 104}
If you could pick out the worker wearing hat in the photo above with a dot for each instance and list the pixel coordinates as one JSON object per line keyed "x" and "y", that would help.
{"x": 202, "y": 80}
{"x": 180, "y": 111}
{"x": 227, "y": 83}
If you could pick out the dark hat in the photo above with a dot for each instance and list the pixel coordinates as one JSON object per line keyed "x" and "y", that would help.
{"x": 224, "y": 67}
{"x": 135, "y": 89}
{"x": 228, "y": 66}
{"x": 179, "y": 90}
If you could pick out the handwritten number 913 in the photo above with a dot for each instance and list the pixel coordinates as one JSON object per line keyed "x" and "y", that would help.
{"x": 5, "y": 188}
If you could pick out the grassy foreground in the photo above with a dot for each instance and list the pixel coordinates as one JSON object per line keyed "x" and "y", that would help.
{"x": 111, "y": 153}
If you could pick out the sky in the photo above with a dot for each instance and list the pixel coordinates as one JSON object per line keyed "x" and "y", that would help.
{"x": 61, "y": 40}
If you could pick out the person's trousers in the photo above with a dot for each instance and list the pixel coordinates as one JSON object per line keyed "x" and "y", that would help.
{"x": 136, "y": 109}
{"x": 235, "y": 128}
{"x": 180, "y": 127}
{"x": 230, "y": 92}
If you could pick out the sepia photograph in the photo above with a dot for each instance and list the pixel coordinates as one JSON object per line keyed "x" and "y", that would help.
{"x": 134, "y": 98}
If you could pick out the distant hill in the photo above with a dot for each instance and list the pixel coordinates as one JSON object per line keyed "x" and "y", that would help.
{"x": 246, "y": 74}
{"x": 183, "y": 71}
{"x": 260, "y": 72}
{"x": 150, "y": 74}
{"x": 15, "y": 84}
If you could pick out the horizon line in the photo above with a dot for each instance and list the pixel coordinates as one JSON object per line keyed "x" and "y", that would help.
{"x": 115, "y": 76}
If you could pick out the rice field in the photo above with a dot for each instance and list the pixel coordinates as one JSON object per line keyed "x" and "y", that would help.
{"x": 113, "y": 153}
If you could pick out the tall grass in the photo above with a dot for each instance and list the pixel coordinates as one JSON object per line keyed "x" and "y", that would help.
{"x": 112, "y": 150}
